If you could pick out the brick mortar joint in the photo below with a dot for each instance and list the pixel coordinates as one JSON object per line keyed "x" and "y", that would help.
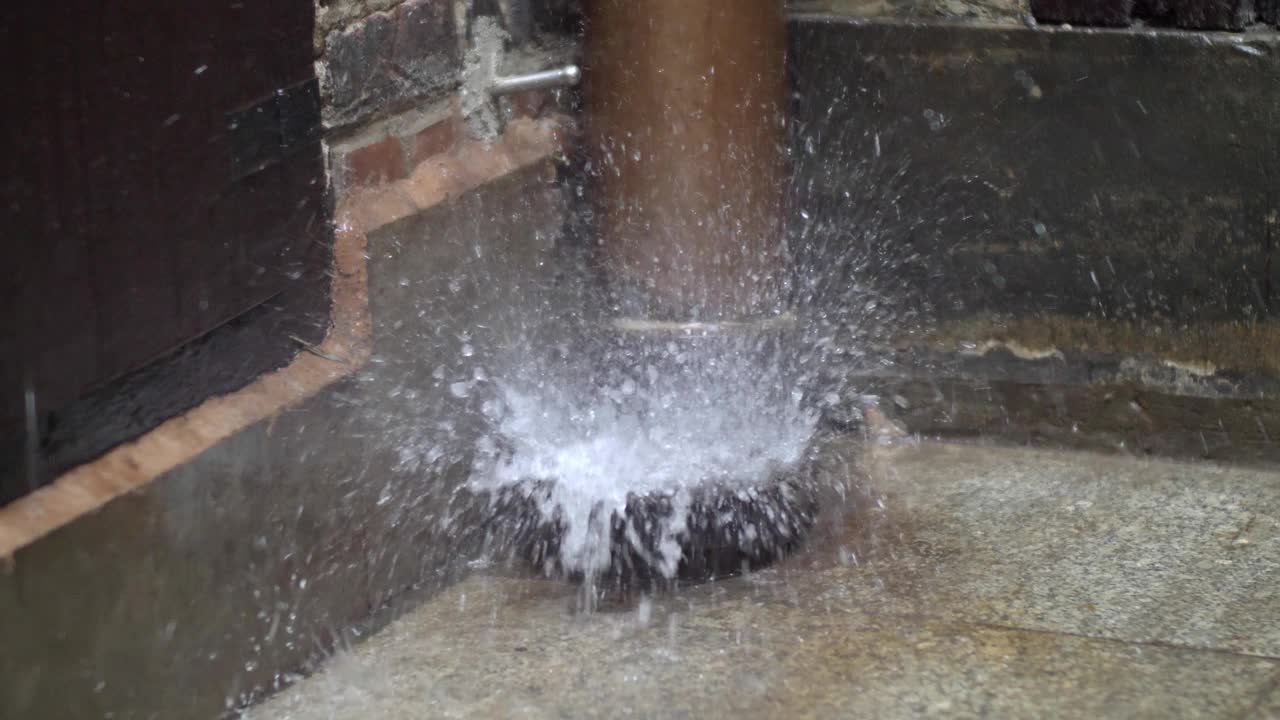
{"x": 438, "y": 124}
{"x": 470, "y": 163}
{"x": 398, "y": 124}
{"x": 363, "y": 158}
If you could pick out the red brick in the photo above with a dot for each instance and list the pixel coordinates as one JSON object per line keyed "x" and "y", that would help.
{"x": 530, "y": 103}
{"x": 430, "y": 141}
{"x": 377, "y": 162}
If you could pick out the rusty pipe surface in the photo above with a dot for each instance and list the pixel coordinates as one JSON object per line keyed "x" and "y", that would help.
{"x": 684, "y": 116}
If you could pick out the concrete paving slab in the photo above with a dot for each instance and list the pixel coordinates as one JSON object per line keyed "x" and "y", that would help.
{"x": 1140, "y": 550}
{"x": 494, "y": 647}
{"x": 997, "y": 582}
{"x": 1268, "y": 704}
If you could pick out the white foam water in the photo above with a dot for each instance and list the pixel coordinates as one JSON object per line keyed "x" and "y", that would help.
{"x": 595, "y": 447}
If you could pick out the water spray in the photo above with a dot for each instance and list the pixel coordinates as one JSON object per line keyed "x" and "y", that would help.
{"x": 694, "y": 459}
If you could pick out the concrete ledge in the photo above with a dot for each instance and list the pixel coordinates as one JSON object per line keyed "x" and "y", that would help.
{"x": 464, "y": 166}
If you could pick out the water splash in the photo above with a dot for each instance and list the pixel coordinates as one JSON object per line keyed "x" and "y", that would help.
{"x": 653, "y": 410}
{"x": 581, "y": 456}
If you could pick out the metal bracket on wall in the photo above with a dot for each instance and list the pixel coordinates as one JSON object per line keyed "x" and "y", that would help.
{"x": 274, "y": 127}
{"x": 483, "y": 83}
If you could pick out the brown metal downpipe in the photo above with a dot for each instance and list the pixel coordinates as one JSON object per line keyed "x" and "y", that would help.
{"x": 684, "y": 119}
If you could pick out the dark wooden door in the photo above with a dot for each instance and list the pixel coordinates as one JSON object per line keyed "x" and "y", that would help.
{"x": 163, "y": 176}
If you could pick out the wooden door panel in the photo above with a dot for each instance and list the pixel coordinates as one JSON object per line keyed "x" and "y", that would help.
{"x": 134, "y": 223}
{"x": 47, "y": 319}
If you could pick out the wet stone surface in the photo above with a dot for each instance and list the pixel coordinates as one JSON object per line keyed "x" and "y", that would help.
{"x": 1116, "y": 547}
{"x": 993, "y": 582}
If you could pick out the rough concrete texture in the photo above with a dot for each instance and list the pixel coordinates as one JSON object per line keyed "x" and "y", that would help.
{"x": 334, "y": 15}
{"x": 1269, "y": 701}
{"x": 1010, "y": 11}
{"x": 523, "y": 18}
{"x": 480, "y": 66}
{"x": 1054, "y": 170}
{"x": 1199, "y": 348}
{"x": 1120, "y": 418}
{"x": 996, "y": 582}
{"x": 1047, "y": 209}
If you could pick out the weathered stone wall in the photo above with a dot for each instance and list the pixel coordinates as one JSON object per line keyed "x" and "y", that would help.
{"x": 1185, "y": 14}
{"x": 999, "y": 11}
{"x": 390, "y": 71}
{"x": 333, "y": 15}
{"x": 1054, "y": 216}
{"x": 388, "y": 60}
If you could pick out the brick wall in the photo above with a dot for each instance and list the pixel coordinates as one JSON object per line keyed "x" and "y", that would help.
{"x": 390, "y": 73}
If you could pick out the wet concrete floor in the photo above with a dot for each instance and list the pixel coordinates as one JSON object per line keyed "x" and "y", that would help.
{"x": 993, "y": 582}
